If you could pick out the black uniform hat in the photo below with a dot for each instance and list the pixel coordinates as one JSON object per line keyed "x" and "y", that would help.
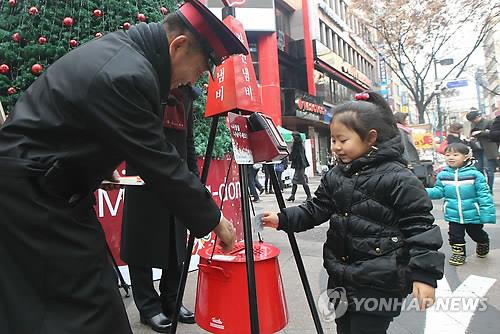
{"x": 217, "y": 40}
{"x": 471, "y": 115}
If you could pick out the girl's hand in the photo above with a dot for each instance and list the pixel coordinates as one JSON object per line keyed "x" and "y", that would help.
{"x": 425, "y": 295}
{"x": 270, "y": 220}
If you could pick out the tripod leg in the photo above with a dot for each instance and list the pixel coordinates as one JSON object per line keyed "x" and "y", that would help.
{"x": 296, "y": 254}
{"x": 123, "y": 284}
{"x": 247, "y": 229}
{"x": 190, "y": 245}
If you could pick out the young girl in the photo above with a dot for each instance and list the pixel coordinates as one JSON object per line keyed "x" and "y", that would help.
{"x": 382, "y": 243}
{"x": 468, "y": 203}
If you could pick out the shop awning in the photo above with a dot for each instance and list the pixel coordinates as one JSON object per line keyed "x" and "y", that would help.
{"x": 287, "y": 134}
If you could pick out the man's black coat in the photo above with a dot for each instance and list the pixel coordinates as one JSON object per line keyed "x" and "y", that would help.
{"x": 93, "y": 108}
{"x": 147, "y": 222}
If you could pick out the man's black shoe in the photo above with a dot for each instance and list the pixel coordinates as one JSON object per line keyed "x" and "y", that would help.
{"x": 185, "y": 315}
{"x": 159, "y": 323}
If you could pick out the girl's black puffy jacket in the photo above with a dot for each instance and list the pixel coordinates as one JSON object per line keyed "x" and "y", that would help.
{"x": 381, "y": 237}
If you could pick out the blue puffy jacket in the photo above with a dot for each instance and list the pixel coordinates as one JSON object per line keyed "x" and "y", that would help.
{"x": 467, "y": 197}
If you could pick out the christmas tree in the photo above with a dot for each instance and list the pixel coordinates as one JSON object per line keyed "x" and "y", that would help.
{"x": 33, "y": 34}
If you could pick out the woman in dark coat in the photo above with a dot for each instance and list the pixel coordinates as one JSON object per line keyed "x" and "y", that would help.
{"x": 299, "y": 163}
{"x": 410, "y": 153}
{"x": 454, "y": 134}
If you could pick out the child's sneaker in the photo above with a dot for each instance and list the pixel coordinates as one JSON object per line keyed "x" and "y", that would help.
{"x": 458, "y": 256}
{"x": 482, "y": 249}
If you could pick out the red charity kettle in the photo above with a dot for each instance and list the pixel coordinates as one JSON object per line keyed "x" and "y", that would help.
{"x": 222, "y": 293}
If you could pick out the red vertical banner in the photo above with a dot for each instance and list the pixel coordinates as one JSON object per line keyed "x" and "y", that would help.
{"x": 269, "y": 76}
{"x": 235, "y": 85}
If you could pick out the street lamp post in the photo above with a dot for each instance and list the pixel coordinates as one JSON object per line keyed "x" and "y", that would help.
{"x": 437, "y": 91}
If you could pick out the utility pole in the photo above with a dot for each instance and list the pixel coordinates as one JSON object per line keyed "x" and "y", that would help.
{"x": 479, "y": 90}
{"x": 437, "y": 91}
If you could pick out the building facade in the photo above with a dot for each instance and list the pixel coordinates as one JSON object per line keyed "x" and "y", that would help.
{"x": 313, "y": 56}
{"x": 491, "y": 75}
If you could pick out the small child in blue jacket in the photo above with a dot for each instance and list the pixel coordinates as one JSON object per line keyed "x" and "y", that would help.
{"x": 468, "y": 203}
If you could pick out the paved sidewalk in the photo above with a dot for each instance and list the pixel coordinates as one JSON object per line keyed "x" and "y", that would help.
{"x": 310, "y": 244}
{"x": 410, "y": 322}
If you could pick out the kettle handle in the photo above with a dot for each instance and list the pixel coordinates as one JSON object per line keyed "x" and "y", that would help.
{"x": 209, "y": 269}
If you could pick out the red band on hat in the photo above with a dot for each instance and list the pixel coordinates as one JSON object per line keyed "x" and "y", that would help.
{"x": 204, "y": 30}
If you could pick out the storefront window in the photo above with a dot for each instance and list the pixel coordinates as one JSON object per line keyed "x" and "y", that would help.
{"x": 323, "y": 89}
{"x": 342, "y": 93}
{"x": 282, "y": 28}
{"x": 252, "y": 46}
{"x": 282, "y": 21}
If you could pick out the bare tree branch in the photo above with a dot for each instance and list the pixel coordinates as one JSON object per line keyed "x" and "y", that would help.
{"x": 415, "y": 33}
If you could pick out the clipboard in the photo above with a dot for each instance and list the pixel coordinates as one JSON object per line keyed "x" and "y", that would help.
{"x": 127, "y": 181}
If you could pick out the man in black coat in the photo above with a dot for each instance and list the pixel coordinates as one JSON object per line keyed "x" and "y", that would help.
{"x": 93, "y": 108}
{"x": 494, "y": 134}
{"x": 151, "y": 236}
{"x": 487, "y": 153}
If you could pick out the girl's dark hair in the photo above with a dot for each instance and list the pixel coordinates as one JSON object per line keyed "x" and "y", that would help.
{"x": 369, "y": 112}
{"x": 458, "y": 147}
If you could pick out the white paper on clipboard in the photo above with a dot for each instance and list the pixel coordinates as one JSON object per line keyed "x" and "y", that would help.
{"x": 127, "y": 181}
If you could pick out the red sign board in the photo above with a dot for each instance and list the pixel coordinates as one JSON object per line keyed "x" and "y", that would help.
{"x": 109, "y": 205}
{"x": 238, "y": 127}
{"x": 234, "y": 86}
{"x": 303, "y": 105}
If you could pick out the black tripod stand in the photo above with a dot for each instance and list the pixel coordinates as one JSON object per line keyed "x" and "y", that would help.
{"x": 295, "y": 250}
{"x": 119, "y": 275}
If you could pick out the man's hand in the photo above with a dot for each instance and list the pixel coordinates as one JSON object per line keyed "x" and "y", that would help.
{"x": 425, "y": 295}
{"x": 226, "y": 233}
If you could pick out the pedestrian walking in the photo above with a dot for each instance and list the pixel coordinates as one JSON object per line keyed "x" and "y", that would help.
{"x": 58, "y": 145}
{"x": 268, "y": 187}
{"x": 279, "y": 169}
{"x": 410, "y": 153}
{"x": 485, "y": 150}
{"x": 256, "y": 189}
{"x": 468, "y": 203}
{"x": 299, "y": 163}
{"x": 381, "y": 244}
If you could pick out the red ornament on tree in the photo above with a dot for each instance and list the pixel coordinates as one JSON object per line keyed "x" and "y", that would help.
{"x": 4, "y": 69}
{"x": 11, "y": 90}
{"x": 33, "y": 11}
{"x": 73, "y": 43}
{"x": 98, "y": 34}
{"x": 16, "y": 37}
{"x": 36, "y": 69}
{"x": 42, "y": 40}
{"x": 97, "y": 13}
{"x": 164, "y": 10}
{"x": 12, "y": 3}
{"x": 141, "y": 17}
{"x": 126, "y": 26}
{"x": 68, "y": 21}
